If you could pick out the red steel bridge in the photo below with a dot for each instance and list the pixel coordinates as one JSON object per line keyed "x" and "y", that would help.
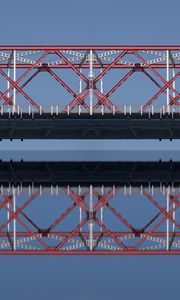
{"x": 89, "y": 92}
{"x": 120, "y": 208}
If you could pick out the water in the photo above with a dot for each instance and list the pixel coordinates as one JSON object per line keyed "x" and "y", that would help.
{"x": 89, "y": 155}
{"x": 85, "y": 202}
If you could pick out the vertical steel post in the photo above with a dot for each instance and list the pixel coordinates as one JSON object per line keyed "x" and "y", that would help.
{"x": 174, "y": 215}
{"x": 167, "y": 222}
{"x": 14, "y": 221}
{"x": 102, "y": 193}
{"x": 80, "y": 83}
{"x": 80, "y": 209}
{"x": 91, "y": 78}
{"x": 14, "y": 77}
{"x": 174, "y": 83}
{"x": 167, "y": 77}
{"x": 8, "y": 216}
{"x": 80, "y": 88}
{"x": 8, "y": 83}
{"x": 91, "y": 223}
{"x": 101, "y": 82}
{"x": 102, "y": 217}
{"x": 101, "y": 87}
{"x": 173, "y": 74}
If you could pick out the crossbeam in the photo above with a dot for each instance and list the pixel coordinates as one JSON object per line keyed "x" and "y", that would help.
{"x": 84, "y": 70}
{"x": 104, "y": 226}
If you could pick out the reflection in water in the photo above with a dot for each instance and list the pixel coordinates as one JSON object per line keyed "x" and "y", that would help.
{"x": 89, "y": 219}
{"x": 132, "y": 173}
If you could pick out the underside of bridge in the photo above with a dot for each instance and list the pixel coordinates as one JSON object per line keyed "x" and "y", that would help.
{"x": 61, "y": 126}
{"x": 52, "y": 173}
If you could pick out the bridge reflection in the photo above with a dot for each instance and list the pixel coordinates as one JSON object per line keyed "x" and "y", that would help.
{"x": 47, "y": 173}
{"x": 89, "y": 208}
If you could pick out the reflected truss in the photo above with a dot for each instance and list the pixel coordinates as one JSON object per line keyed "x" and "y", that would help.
{"x": 66, "y": 220}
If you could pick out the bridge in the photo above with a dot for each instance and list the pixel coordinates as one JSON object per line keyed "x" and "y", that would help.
{"x": 89, "y": 92}
{"x": 74, "y": 126}
{"x": 123, "y": 173}
{"x": 124, "y": 208}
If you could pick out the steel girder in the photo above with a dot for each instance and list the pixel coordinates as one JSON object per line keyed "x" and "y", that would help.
{"x": 57, "y": 173}
{"x": 92, "y": 77}
{"x": 89, "y": 220}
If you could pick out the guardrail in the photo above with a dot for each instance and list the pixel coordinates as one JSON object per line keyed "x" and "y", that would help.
{"x": 118, "y": 109}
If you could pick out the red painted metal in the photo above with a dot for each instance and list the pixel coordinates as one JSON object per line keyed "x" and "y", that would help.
{"x": 85, "y": 252}
{"x": 87, "y": 47}
{"x": 114, "y": 234}
{"x": 107, "y": 59}
{"x": 86, "y": 66}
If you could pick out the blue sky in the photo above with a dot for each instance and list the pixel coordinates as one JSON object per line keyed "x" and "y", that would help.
{"x": 89, "y": 22}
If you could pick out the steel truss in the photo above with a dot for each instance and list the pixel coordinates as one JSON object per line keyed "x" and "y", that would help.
{"x": 88, "y": 67}
{"x": 89, "y": 220}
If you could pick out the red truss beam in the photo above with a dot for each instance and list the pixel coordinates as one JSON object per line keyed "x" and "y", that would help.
{"x": 86, "y": 66}
{"x": 93, "y": 47}
{"x": 90, "y": 221}
{"x": 98, "y": 77}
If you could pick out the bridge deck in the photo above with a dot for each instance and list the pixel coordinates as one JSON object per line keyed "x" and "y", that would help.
{"x": 85, "y": 126}
{"x": 135, "y": 173}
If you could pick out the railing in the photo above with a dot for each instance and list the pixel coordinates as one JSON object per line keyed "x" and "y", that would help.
{"x": 118, "y": 109}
